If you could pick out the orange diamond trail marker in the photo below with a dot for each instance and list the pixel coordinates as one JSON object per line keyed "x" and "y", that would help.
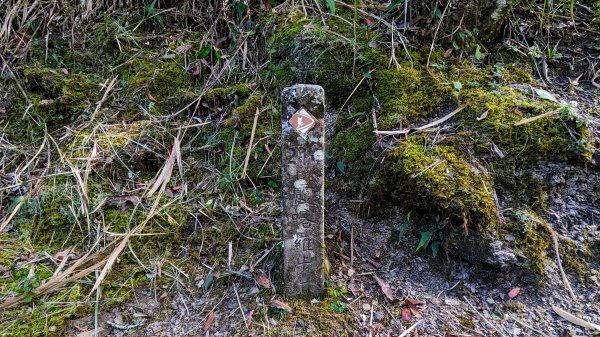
{"x": 302, "y": 121}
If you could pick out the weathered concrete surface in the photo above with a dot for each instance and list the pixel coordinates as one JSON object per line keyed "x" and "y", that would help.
{"x": 303, "y": 156}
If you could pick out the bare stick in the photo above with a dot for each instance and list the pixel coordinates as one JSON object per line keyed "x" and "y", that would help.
{"x": 240, "y": 304}
{"x": 562, "y": 271}
{"x": 424, "y": 127}
{"x": 436, "y": 32}
{"x": 251, "y": 145}
{"x": 409, "y": 330}
{"x": 483, "y": 317}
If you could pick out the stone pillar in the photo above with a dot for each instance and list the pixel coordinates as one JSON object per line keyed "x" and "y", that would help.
{"x": 303, "y": 157}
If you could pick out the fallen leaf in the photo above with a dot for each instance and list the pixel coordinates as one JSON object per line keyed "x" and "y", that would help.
{"x": 483, "y": 115}
{"x": 414, "y": 301}
{"x": 90, "y": 333}
{"x": 406, "y": 315}
{"x": 282, "y": 305}
{"x": 151, "y": 98}
{"x": 452, "y": 301}
{"x": 413, "y": 309}
{"x": 209, "y": 321}
{"x": 448, "y": 52}
{"x": 250, "y": 316}
{"x": 543, "y": 94}
{"x": 514, "y": 292}
{"x": 385, "y": 288}
{"x": 369, "y": 21}
{"x": 62, "y": 254}
{"x": 124, "y": 202}
{"x": 496, "y": 149}
{"x": 262, "y": 279}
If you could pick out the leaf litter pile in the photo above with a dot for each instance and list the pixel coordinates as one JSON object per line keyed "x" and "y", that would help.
{"x": 139, "y": 170}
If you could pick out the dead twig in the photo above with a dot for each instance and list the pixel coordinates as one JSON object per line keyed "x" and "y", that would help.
{"x": 409, "y": 330}
{"x": 574, "y": 319}
{"x": 251, "y": 144}
{"x": 562, "y": 271}
{"x": 485, "y": 319}
{"x": 424, "y": 127}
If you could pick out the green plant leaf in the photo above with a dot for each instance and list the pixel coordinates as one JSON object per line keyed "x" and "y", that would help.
{"x": 338, "y": 307}
{"x": 545, "y": 95}
{"x": 150, "y": 9}
{"x": 437, "y": 12}
{"x": 331, "y": 6}
{"x": 209, "y": 281}
{"x": 403, "y": 230}
{"x": 457, "y": 85}
{"x": 425, "y": 236}
{"x": 367, "y": 75}
{"x": 204, "y": 52}
{"x": 478, "y": 54}
{"x": 394, "y": 4}
{"x": 15, "y": 202}
{"x": 272, "y": 183}
{"x": 404, "y": 227}
{"x": 435, "y": 247}
{"x": 341, "y": 166}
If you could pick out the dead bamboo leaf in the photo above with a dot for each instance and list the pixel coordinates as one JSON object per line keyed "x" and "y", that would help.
{"x": 574, "y": 319}
{"x": 385, "y": 287}
{"x": 406, "y": 314}
{"x": 282, "y": 305}
{"x": 497, "y": 150}
{"x": 483, "y": 116}
{"x": 209, "y": 321}
{"x": 535, "y": 118}
{"x": 262, "y": 279}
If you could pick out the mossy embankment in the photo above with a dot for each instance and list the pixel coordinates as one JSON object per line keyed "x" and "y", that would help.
{"x": 92, "y": 151}
{"x": 455, "y": 170}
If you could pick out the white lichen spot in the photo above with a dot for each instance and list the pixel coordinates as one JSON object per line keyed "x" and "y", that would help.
{"x": 300, "y": 184}
{"x": 303, "y": 207}
{"x": 318, "y": 155}
{"x": 292, "y": 169}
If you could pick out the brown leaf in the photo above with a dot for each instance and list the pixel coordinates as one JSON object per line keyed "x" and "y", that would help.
{"x": 369, "y": 21}
{"x": 282, "y": 305}
{"x": 514, "y": 292}
{"x": 448, "y": 52}
{"x": 124, "y": 201}
{"x": 91, "y": 333}
{"x": 413, "y": 301}
{"x": 385, "y": 287}
{"x": 406, "y": 315}
{"x": 209, "y": 321}
{"x": 262, "y": 279}
{"x": 250, "y": 316}
{"x": 62, "y": 254}
{"x": 413, "y": 309}
{"x": 151, "y": 98}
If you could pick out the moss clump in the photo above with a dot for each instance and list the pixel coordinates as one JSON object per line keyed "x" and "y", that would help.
{"x": 534, "y": 238}
{"x": 58, "y": 97}
{"x": 161, "y": 79}
{"x": 439, "y": 178}
{"x": 353, "y": 143}
{"x": 406, "y": 96}
{"x": 320, "y": 318}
